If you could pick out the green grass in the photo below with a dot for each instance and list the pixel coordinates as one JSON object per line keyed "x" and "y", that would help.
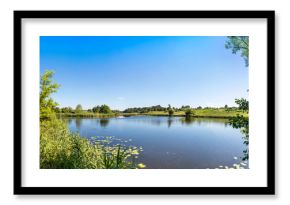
{"x": 163, "y": 113}
{"x": 211, "y": 113}
{"x": 219, "y": 113}
{"x": 61, "y": 149}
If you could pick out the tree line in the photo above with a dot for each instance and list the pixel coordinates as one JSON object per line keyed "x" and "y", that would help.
{"x": 174, "y": 109}
{"x": 104, "y": 109}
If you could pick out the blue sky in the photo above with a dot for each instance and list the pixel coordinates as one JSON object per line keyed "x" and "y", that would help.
{"x": 138, "y": 71}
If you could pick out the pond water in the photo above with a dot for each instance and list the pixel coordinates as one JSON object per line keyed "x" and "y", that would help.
{"x": 170, "y": 142}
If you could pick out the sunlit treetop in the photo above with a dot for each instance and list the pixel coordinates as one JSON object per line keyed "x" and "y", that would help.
{"x": 47, "y": 87}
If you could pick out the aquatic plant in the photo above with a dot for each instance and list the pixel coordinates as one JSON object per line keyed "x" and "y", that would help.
{"x": 61, "y": 149}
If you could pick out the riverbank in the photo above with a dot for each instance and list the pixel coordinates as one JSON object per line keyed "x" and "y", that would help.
{"x": 94, "y": 115}
{"x": 62, "y": 149}
{"x": 198, "y": 113}
{"x": 203, "y": 113}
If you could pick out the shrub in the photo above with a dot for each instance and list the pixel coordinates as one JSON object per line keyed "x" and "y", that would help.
{"x": 60, "y": 149}
{"x": 105, "y": 109}
{"x": 189, "y": 113}
{"x": 170, "y": 112}
{"x": 79, "y": 108}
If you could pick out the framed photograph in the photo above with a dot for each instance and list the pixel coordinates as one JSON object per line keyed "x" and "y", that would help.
{"x": 144, "y": 102}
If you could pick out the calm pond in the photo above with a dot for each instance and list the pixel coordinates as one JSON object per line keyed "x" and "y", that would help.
{"x": 170, "y": 142}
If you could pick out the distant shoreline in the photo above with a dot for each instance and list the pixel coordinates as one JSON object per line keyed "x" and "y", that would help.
{"x": 198, "y": 114}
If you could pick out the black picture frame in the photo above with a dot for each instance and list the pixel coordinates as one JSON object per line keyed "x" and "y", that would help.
{"x": 268, "y": 190}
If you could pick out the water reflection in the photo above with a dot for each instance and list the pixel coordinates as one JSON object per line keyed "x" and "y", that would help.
{"x": 156, "y": 121}
{"x": 104, "y": 122}
{"x": 169, "y": 122}
{"x": 78, "y": 123}
{"x": 69, "y": 120}
{"x": 199, "y": 121}
{"x": 188, "y": 120}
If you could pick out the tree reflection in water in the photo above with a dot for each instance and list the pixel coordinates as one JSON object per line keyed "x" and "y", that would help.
{"x": 104, "y": 122}
{"x": 78, "y": 123}
{"x": 169, "y": 122}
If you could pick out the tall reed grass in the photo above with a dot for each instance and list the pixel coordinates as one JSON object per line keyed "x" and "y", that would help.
{"x": 61, "y": 149}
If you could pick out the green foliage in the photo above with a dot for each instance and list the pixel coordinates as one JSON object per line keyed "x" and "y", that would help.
{"x": 66, "y": 110}
{"x": 239, "y": 121}
{"x": 243, "y": 104}
{"x": 79, "y": 108}
{"x": 47, "y": 87}
{"x": 141, "y": 165}
{"x": 96, "y": 109}
{"x": 145, "y": 109}
{"x": 242, "y": 122}
{"x": 205, "y": 112}
{"x": 57, "y": 109}
{"x": 156, "y": 108}
{"x": 86, "y": 114}
{"x": 184, "y": 107}
{"x": 189, "y": 113}
{"x": 239, "y": 44}
{"x": 105, "y": 109}
{"x": 170, "y": 112}
{"x": 60, "y": 149}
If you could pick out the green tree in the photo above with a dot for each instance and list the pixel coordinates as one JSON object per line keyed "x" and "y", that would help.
{"x": 189, "y": 113}
{"x": 105, "y": 109}
{"x": 47, "y": 87}
{"x": 185, "y": 107}
{"x": 239, "y": 44}
{"x": 57, "y": 109}
{"x": 79, "y": 108}
{"x": 226, "y": 108}
{"x": 96, "y": 109}
{"x": 170, "y": 112}
{"x": 242, "y": 123}
{"x": 66, "y": 110}
{"x": 243, "y": 104}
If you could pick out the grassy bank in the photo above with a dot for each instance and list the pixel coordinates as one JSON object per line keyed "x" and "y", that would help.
{"x": 209, "y": 113}
{"x": 60, "y": 149}
{"x": 206, "y": 113}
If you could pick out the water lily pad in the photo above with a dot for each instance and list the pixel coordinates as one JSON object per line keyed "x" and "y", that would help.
{"x": 141, "y": 165}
